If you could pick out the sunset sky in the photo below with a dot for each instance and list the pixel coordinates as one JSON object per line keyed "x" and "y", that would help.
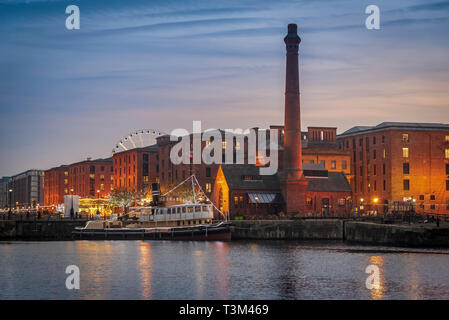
{"x": 68, "y": 95}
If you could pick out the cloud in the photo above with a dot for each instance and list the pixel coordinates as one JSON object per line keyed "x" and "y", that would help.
{"x": 67, "y": 95}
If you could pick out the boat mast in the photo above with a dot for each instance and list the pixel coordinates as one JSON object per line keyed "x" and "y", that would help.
{"x": 193, "y": 189}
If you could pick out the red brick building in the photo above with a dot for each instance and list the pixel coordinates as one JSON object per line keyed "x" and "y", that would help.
{"x": 87, "y": 179}
{"x": 91, "y": 178}
{"x": 170, "y": 174}
{"x": 56, "y": 185}
{"x": 241, "y": 191}
{"x": 396, "y": 162}
{"x": 135, "y": 169}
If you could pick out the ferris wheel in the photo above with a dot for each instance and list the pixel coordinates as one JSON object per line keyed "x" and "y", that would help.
{"x": 137, "y": 139}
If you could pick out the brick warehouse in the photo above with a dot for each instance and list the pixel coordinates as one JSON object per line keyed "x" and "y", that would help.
{"x": 87, "y": 179}
{"x": 135, "y": 169}
{"x": 396, "y": 162}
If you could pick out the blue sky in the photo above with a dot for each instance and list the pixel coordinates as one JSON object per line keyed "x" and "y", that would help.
{"x": 67, "y": 95}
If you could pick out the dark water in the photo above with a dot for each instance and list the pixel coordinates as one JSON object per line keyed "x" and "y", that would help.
{"x": 218, "y": 270}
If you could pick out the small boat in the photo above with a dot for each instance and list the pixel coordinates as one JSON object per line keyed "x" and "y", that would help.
{"x": 191, "y": 221}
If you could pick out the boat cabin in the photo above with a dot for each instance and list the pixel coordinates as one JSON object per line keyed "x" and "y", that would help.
{"x": 180, "y": 215}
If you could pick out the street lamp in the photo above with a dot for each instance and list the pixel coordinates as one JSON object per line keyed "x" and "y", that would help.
{"x": 98, "y": 205}
{"x": 257, "y": 199}
{"x": 72, "y": 211}
{"x": 10, "y": 204}
{"x": 375, "y": 200}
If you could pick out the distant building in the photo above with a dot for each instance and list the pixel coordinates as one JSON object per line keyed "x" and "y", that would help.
{"x": 56, "y": 185}
{"x": 135, "y": 169}
{"x": 90, "y": 178}
{"x": 399, "y": 162}
{"x": 87, "y": 179}
{"x": 27, "y": 189}
{"x": 319, "y": 146}
{"x": 4, "y": 192}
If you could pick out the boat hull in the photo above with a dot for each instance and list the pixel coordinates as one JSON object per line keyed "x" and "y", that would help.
{"x": 220, "y": 232}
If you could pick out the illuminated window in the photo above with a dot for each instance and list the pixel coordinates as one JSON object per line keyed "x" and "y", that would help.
{"x": 102, "y": 177}
{"x": 65, "y": 190}
{"x": 405, "y": 152}
{"x": 92, "y": 176}
{"x": 405, "y": 137}
{"x": 446, "y": 139}
{"x": 66, "y": 173}
{"x": 384, "y": 154}
{"x": 208, "y": 187}
{"x": 333, "y": 164}
{"x": 341, "y": 202}
{"x": 101, "y": 186}
{"x": 446, "y": 153}
{"x": 112, "y": 178}
{"x": 66, "y": 182}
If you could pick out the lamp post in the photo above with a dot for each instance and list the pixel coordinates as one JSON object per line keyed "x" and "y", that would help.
{"x": 98, "y": 205}
{"x": 10, "y": 204}
{"x": 256, "y": 198}
{"x": 375, "y": 200}
{"x": 72, "y": 212}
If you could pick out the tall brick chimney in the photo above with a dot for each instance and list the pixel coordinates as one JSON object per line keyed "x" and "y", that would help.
{"x": 293, "y": 183}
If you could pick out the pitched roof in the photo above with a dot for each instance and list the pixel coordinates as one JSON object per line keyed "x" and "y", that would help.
{"x": 336, "y": 182}
{"x": 238, "y": 177}
{"x": 246, "y": 176}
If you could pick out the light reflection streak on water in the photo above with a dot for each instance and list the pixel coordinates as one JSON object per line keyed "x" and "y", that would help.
{"x": 222, "y": 267}
{"x": 231, "y": 270}
{"x": 199, "y": 273}
{"x": 146, "y": 268}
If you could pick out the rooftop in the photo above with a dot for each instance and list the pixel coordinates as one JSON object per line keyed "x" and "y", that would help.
{"x": 246, "y": 177}
{"x": 395, "y": 125}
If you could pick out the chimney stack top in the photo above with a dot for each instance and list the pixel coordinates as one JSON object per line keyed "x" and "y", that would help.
{"x": 293, "y": 28}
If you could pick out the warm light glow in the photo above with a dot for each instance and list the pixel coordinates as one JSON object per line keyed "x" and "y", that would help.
{"x": 376, "y": 200}
{"x": 361, "y": 199}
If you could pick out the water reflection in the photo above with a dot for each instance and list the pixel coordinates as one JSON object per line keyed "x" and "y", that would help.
{"x": 199, "y": 273}
{"x": 222, "y": 268}
{"x": 146, "y": 268}
{"x": 217, "y": 270}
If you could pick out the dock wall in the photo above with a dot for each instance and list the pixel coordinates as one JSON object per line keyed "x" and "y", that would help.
{"x": 307, "y": 229}
{"x": 38, "y": 229}
{"x": 396, "y": 235}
